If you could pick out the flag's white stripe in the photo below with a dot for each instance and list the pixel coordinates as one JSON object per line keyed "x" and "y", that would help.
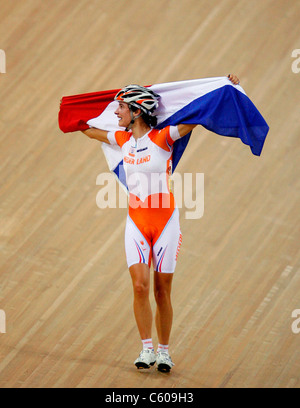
{"x": 177, "y": 95}
{"x": 107, "y": 120}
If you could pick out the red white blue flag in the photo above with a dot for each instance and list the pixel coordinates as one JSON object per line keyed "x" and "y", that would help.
{"x": 214, "y": 103}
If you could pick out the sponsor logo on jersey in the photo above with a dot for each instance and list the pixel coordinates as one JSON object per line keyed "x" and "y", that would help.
{"x": 141, "y": 150}
{"x": 132, "y": 152}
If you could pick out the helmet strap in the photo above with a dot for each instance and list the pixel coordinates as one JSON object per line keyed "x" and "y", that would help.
{"x": 132, "y": 119}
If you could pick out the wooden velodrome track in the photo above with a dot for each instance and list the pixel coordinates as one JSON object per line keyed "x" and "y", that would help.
{"x": 65, "y": 288}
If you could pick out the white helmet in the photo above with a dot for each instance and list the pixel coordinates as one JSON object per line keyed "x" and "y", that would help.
{"x": 139, "y": 97}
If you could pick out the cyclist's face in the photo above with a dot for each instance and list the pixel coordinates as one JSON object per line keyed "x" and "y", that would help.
{"x": 123, "y": 114}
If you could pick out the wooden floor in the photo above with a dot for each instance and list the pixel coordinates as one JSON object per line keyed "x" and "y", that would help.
{"x": 64, "y": 283}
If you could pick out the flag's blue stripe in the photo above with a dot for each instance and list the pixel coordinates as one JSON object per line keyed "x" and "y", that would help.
{"x": 225, "y": 111}
{"x": 120, "y": 173}
{"x": 178, "y": 149}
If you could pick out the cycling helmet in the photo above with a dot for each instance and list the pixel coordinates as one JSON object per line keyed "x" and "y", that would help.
{"x": 139, "y": 97}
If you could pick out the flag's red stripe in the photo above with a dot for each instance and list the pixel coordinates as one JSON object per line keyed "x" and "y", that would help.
{"x": 76, "y": 110}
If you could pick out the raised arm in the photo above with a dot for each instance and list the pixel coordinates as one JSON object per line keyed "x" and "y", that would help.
{"x": 97, "y": 134}
{"x": 185, "y": 129}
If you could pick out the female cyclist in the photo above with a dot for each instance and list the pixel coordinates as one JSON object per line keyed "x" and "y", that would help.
{"x": 152, "y": 229}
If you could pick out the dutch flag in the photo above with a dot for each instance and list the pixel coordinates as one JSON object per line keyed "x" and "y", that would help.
{"x": 214, "y": 103}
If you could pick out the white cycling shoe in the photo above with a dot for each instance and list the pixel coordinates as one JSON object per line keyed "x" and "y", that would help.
{"x": 146, "y": 359}
{"x": 164, "y": 362}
